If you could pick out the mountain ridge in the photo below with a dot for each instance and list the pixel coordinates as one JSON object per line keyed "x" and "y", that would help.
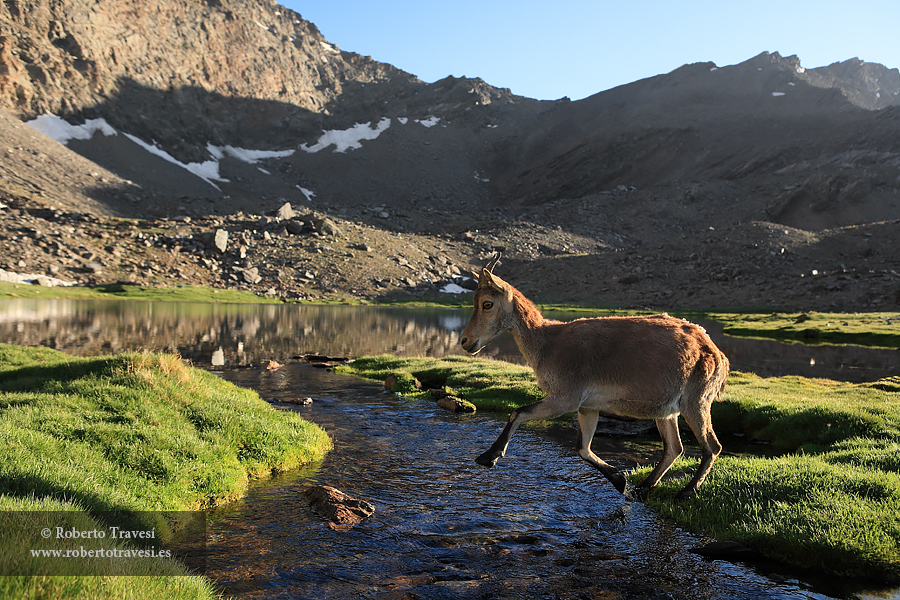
{"x": 193, "y": 91}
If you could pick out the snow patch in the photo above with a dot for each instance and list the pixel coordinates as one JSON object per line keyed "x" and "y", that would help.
{"x": 208, "y": 170}
{"x": 308, "y": 193}
{"x": 403, "y": 120}
{"x": 429, "y": 122}
{"x": 329, "y": 48}
{"x": 778, "y": 94}
{"x": 58, "y": 129}
{"x": 33, "y": 279}
{"x": 348, "y": 139}
{"x": 248, "y": 156}
{"x": 452, "y": 288}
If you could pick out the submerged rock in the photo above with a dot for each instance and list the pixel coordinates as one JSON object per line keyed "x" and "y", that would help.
{"x": 456, "y": 404}
{"x": 342, "y": 510}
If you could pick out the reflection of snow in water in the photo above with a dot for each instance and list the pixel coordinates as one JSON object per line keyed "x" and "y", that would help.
{"x": 218, "y": 358}
{"x": 453, "y": 322}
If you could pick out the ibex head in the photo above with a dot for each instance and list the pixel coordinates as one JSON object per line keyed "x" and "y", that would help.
{"x": 493, "y": 305}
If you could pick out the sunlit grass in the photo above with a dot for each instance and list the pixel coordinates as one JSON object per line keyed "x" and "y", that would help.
{"x": 132, "y": 432}
{"x": 877, "y": 329}
{"x": 488, "y": 384}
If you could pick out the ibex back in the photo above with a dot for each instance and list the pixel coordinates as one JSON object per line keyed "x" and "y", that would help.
{"x": 655, "y": 367}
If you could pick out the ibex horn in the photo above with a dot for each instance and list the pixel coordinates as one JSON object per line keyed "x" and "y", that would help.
{"x": 492, "y": 263}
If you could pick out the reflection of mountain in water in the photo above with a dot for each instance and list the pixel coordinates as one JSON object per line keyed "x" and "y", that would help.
{"x": 242, "y": 335}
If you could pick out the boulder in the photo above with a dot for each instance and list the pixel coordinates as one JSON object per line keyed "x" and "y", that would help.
{"x": 294, "y": 227}
{"x": 285, "y": 212}
{"x": 455, "y": 404}
{"x": 221, "y": 240}
{"x": 327, "y": 227}
{"x": 341, "y": 509}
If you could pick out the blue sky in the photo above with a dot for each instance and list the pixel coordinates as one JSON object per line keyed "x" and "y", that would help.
{"x": 576, "y": 48}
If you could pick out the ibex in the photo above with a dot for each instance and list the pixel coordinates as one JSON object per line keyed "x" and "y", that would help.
{"x": 651, "y": 367}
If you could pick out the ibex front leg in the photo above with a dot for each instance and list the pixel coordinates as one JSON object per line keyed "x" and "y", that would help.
{"x": 550, "y": 407}
{"x": 587, "y": 425}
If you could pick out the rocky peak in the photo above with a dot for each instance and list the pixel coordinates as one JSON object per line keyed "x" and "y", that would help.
{"x": 868, "y": 85}
{"x": 143, "y": 62}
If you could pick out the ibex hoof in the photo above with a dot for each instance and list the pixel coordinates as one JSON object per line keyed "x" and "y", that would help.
{"x": 685, "y": 494}
{"x": 640, "y": 493}
{"x": 488, "y": 459}
{"x": 618, "y": 481}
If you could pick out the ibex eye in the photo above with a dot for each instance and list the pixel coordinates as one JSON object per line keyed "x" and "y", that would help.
{"x": 487, "y": 304}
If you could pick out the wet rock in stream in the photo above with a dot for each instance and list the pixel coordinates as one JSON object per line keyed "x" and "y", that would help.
{"x": 343, "y": 511}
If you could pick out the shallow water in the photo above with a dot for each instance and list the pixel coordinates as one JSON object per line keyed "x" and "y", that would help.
{"x": 541, "y": 524}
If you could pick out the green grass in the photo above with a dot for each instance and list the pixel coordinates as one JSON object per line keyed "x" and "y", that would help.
{"x": 488, "y": 384}
{"x": 830, "y": 502}
{"x": 118, "y": 291}
{"x": 133, "y": 432}
{"x": 837, "y": 512}
{"x": 877, "y": 329}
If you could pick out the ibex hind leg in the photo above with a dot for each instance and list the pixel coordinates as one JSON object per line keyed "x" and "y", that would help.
{"x": 672, "y": 449}
{"x": 699, "y": 419}
{"x": 587, "y": 425}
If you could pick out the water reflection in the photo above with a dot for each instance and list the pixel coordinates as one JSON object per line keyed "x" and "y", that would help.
{"x": 231, "y": 335}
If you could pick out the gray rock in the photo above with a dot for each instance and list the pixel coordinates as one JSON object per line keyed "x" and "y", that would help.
{"x": 285, "y": 212}
{"x": 294, "y": 227}
{"x": 221, "y": 240}
{"x": 251, "y": 275}
{"x": 327, "y": 227}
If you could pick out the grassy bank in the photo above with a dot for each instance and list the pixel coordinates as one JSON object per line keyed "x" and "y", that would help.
{"x": 831, "y": 502}
{"x": 134, "y": 432}
{"x": 118, "y": 291}
{"x": 876, "y": 329}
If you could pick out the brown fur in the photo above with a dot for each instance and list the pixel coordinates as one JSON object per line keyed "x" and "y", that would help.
{"x": 654, "y": 367}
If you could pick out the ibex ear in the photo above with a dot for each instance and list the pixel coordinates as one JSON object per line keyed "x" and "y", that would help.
{"x": 489, "y": 280}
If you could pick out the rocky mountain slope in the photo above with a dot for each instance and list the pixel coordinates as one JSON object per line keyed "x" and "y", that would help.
{"x": 758, "y": 184}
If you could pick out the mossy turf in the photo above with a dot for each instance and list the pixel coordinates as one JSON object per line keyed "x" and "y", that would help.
{"x": 490, "y": 385}
{"x": 830, "y": 501}
{"x": 127, "y": 433}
